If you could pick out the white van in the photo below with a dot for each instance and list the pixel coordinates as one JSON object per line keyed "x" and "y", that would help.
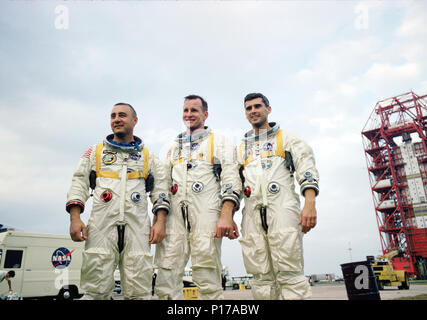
{"x": 45, "y": 265}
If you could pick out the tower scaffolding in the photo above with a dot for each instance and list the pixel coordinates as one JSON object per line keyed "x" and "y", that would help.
{"x": 395, "y": 143}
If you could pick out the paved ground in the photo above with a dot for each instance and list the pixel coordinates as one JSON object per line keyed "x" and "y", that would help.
{"x": 329, "y": 292}
{"x": 337, "y": 292}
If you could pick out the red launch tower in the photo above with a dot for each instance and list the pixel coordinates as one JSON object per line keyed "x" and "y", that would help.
{"x": 395, "y": 143}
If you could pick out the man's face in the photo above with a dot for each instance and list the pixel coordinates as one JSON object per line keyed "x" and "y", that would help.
{"x": 122, "y": 120}
{"x": 193, "y": 114}
{"x": 256, "y": 112}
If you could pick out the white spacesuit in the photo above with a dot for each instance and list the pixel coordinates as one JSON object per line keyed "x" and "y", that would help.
{"x": 271, "y": 237}
{"x": 197, "y": 195}
{"x": 119, "y": 225}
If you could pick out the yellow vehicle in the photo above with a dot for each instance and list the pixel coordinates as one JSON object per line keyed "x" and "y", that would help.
{"x": 240, "y": 283}
{"x": 385, "y": 273}
{"x": 191, "y": 292}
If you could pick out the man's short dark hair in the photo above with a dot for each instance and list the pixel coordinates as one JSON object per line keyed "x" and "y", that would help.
{"x": 127, "y": 104}
{"x": 252, "y": 96}
{"x": 193, "y": 97}
{"x": 11, "y": 273}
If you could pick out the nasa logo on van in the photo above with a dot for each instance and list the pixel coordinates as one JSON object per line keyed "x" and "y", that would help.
{"x": 61, "y": 258}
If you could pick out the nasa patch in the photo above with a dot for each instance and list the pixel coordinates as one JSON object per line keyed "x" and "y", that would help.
{"x": 61, "y": 258}
{"x": 135, "y": 156}
{"x": 268, "y": 146}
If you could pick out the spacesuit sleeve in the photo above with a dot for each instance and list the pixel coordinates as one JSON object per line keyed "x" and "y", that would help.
{"x": 79, "y": 190}
{"x": 306, "y": 173}
{"x": 231, "y": 185}
{"x": 159, "y": 196}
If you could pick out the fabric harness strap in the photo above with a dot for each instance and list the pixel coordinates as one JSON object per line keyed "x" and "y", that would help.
{"x": 279, "y": 150}
{"x": 115, "y": 175}
{"x": 199, "y": 156}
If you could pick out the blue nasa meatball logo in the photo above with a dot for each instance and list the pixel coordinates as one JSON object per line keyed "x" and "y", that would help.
{"x": 61, "y": 258}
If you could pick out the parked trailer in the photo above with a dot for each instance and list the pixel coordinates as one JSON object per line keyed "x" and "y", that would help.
{"x": 45, "y": 265}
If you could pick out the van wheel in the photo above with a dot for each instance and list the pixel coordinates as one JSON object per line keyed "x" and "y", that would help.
{"x": 65, "y": 294}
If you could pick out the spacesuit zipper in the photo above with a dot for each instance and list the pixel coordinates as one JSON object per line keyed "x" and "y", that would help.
{"x": 123, "y": 191}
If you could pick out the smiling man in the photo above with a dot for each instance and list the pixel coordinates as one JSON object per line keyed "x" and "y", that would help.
{"x": 205, "y": 188}
{"x": 120, "y": 172}
{"x": 272, "y": 223}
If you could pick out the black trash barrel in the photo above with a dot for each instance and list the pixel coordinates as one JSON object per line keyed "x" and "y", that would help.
{"x": 360, "y": 281}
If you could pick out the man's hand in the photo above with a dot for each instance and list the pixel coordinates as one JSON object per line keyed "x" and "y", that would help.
{"x": 235, "y": 234}
{"x": 308, "y": 218}
{"x": 158, "y": 230}
{"x": 78, "y": 231}
{"x": 225, "y": 225}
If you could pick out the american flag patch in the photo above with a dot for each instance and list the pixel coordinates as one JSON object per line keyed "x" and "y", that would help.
{"x": 87, "y": 153}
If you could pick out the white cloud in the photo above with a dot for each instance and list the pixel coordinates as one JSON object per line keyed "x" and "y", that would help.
{"x": 305, "y": 75}
{"x": 414, "y": 24}
{"x": 380, "y": 72}
{"x": 390, "y": 80}
{"x": 332, "y": 122}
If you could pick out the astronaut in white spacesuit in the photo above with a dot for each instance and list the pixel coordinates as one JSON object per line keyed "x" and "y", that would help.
{"x": 205, "y": 190}
{"x": 120, "y": 171}
{"x": 272, "y": 223}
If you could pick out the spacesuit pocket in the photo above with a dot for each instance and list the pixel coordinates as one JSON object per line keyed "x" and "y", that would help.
{"x": 97, "y": 270}
{"x": 286, "y": 250}
{"x": 203, "y": 251}
{"x": 255, "y": 254}
{"x": 137, "y": 269}
{"x": 170, "y": 251}
{"x": 137, "y": 261}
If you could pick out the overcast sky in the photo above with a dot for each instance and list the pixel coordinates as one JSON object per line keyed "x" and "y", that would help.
{"x": 322, "y": 64}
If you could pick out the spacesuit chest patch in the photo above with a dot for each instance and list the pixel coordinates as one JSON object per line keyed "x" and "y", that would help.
{"x": 109, "y": 158}
{"x": 266, "y": 164}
